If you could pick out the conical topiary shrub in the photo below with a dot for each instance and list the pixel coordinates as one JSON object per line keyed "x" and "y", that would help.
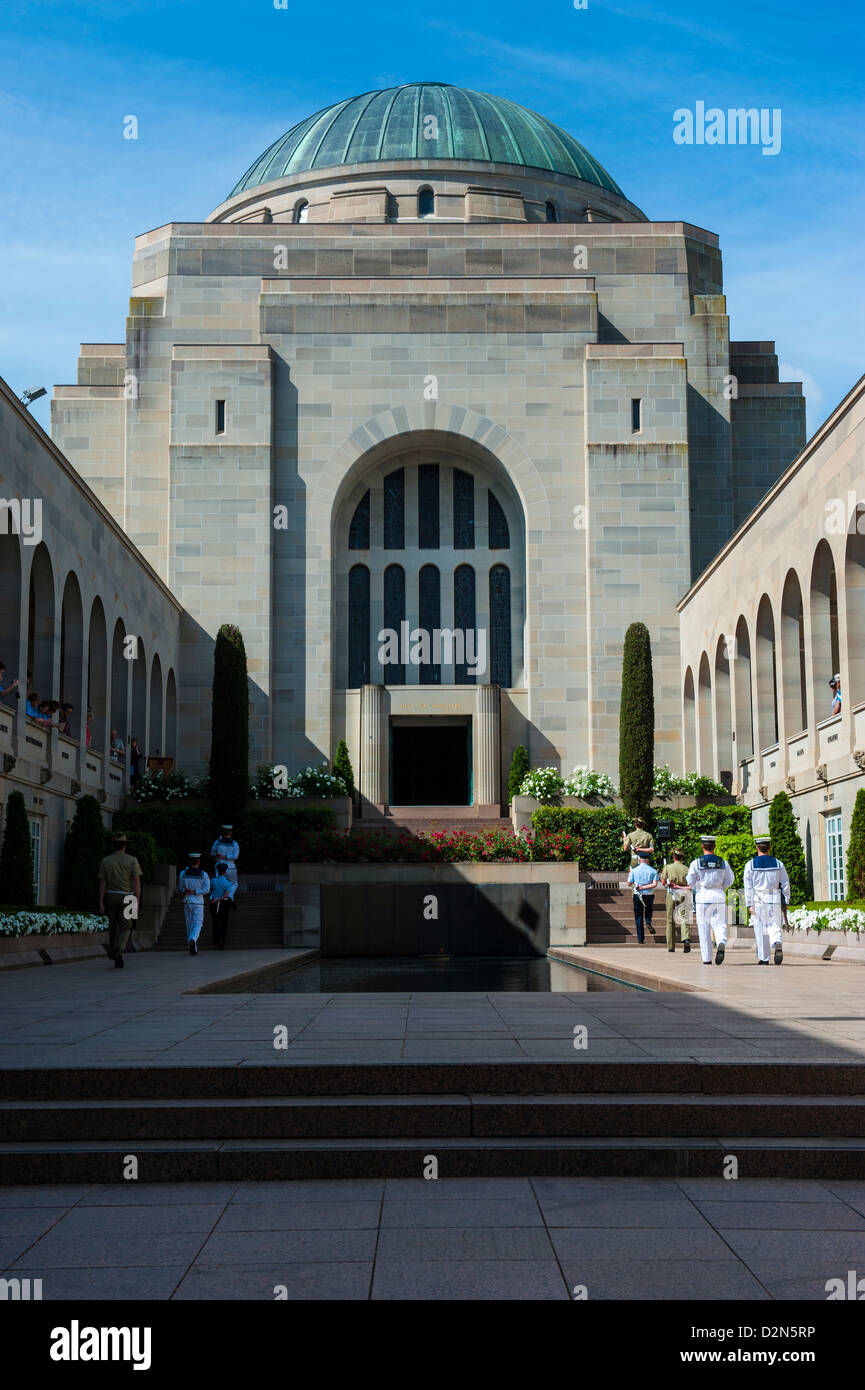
{"x": 637, "y": 722}
{"x": 787, "y": 846}
{"x": 520, "y": 768}
{"x": 16, "y": 856}
{"x": 855, "y": 864}
{"x": 229, "y": 729}
{"x": 342, "y": 766}
{"x": 84, "y": 850}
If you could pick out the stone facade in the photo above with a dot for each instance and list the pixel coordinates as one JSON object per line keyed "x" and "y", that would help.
{"x": 778, "y": 612}
{"x": 345, "y": 346}
{"x": 71, "y": 593}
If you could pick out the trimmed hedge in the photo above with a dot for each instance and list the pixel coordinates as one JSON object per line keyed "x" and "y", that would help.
{"x": 16, "y": 855}
{"x": 737, "y": 850}
{"x": 637, "y": 722}
{"x": 601, "y": 830}
{"x": 266, "y": 836}
{"x": 855, "y": 865}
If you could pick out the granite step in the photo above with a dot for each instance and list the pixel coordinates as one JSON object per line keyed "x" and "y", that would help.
{"x": 248, "y": 1160}
{"x": 442, "y": 1116}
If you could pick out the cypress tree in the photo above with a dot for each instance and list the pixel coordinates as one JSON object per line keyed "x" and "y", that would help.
{"x": 637, "y": 722}
{"x": 520, "y": 769}
{"x": 342, "y": 766}
{"x": 16, "y": 856}
{"x": 787, "y": 846}
{"x": 84, "y": 850}
{"x": 855, "y": 867}
{"x": 229, "y": 728}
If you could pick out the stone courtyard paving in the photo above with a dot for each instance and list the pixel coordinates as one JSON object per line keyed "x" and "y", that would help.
{"x": 474, "y": 1238}
{"x": 464, "y": 1238}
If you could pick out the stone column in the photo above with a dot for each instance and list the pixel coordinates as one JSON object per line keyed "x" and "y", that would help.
{"x": 373, "y": 750}
{"x": 488, "y": 752}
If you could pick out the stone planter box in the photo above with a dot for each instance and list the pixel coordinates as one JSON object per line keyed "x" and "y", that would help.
{"x": 16, "y": 951}
{"x": 566, "y": 895}
{"x": 522, "y": 807}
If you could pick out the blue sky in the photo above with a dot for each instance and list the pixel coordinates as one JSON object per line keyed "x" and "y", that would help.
{"x": 213, "y": 82}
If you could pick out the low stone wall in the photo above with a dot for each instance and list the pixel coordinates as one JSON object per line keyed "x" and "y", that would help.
{"x": 565, "y": 904}
{"x": 16, "y": 951}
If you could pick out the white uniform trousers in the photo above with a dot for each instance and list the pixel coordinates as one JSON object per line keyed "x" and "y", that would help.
{"x": 767, "y": 922}
{"x": 711, "y": 920}
{"x": 194, "y": 914}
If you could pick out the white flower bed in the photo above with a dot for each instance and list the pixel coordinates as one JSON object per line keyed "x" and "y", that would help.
{"x": 543, "y": 783}
{"x": 838, "y": 918}
{"x": 275, "y": 783}
{"x": 35, "y": 923}
{"x": 585, "y": 783}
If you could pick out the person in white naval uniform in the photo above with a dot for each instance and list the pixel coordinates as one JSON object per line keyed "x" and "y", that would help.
{"x": 767, "y": 895}
{"x": 709, "y": 877}
{"x": 194, "y": 884}
{"x": 226, "y": 850}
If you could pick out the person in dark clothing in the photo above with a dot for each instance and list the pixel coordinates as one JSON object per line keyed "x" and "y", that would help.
{"x": 222, "y": 903}
{"x": 136, "y": 761}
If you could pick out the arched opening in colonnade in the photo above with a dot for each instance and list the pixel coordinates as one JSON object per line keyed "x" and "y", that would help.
{"x": 742, "y": 689}
{"x": 793, "y": 684}
{"x": 97, "y": 676}
{"x": 706, "y": 764}
{"x": 72, "y": 653}
{"x": 690, "y": 723}
{"x": 10, "y": 606}
{"x": 723, "y": 710}
{"x": 767, "y": 678}
{"x": 119, "y": 683}
{"x": 155, "y": 741}
{"x": 854, "y": 586}
{"x": 171, "y": 717}
{"x": 825, "y": 646}
{"x": 40, "y": 624}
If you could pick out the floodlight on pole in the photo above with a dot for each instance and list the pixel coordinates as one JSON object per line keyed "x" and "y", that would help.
{"x": 32, "y": 393}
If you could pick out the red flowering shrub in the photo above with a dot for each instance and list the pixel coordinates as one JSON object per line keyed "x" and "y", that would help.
{"x": 436, "y": 847}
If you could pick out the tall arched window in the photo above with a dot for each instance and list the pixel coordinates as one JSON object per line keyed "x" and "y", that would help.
{"x": 704, "y": 718}
{"x": 426, "y": 203}
{"x": 551, "y": 212}
{"x": 464, "y": 619}
{"x": 394, "y": 615}
{"x": 854, "y": 576}
{"x": 742, "y": 689}
{"x": 358, "y": 531}
{"x": 10, "y": 603}
{"x": 464, "y": 510}
{"x": 394, "y": 510}
{"x": 723, "y": 710}
{"x": 824, "y": 623}
{"x": 428, "y": 506}
{"x": 500, "y": 625}
{"x": 301, "y": 211}
{"x": 497, "y": 522}
{"x": 429, "y": 611}
{"x": 358, "y": 626}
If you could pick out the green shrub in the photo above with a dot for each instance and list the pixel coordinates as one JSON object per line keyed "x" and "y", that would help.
{"x": 855, "y": 865}
{"x": 266, "y": 834}
{"x": 737, "y": 850}
{"x": 520, "y": 769}
{"x": 229, "y": 728}
{"x": 787, "y": 846}
{"x": 342, "y": 766}
{"x": 637, "y": 722}
{"x": 86, "y": 846}
{"x": 16, "y": 856}
{"x": 601, "y": 830}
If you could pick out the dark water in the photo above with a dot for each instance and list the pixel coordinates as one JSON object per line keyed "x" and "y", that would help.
{"x": 413, "y": 975}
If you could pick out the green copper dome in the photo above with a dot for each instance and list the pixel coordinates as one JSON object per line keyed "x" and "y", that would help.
{"x": 382, "y": 127}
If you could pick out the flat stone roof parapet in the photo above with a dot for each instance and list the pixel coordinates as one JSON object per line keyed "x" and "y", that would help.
{"x": 103, "y": 349}
{"x": 435, "y": 284}
{"x": 423, "y": 231}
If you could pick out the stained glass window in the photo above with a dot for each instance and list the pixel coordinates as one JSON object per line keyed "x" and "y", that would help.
{"x": 429, "y": 605}
{"x": 358, "y": 626}
{"x": 394, "y": 614}
{"x": 464, "y": 619}
{"x": 464, "y": 510}
{"x": 358, "y": 532}
{"x": 500, "y": 625}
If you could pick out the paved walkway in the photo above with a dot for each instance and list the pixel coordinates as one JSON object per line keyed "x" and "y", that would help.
{"x": 475, "y": 1238}
{"x": 90, "y": 1013}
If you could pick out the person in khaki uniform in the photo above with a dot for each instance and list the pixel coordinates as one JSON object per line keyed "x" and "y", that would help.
{"x": 119, "y": 888}
{"x": 639, "y": 838}
{"x": 674, "y": 877}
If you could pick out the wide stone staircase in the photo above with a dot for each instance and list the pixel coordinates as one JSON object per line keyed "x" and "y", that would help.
{"x": 256, "y": 922}
{"x": 610, "y": 913}
{"x": 321, "y": 1120}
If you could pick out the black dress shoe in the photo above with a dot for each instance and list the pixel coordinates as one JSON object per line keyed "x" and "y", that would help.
{"x": 719, "y": 956}
{"x": 762, "y": 962}
{"x": 686, "y": 946}
{"x": 118, "y": 962}
{"x": 779, "y": 954}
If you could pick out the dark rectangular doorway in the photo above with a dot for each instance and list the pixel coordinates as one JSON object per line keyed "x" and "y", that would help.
{"x": 430, "y": 765}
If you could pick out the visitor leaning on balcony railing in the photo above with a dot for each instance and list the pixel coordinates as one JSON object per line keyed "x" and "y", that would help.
{"x": 117, "y": 748}
{"x": 64, "y": 720}
{"x": 6, "y": 686}
{"x": 34, "y": 712}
